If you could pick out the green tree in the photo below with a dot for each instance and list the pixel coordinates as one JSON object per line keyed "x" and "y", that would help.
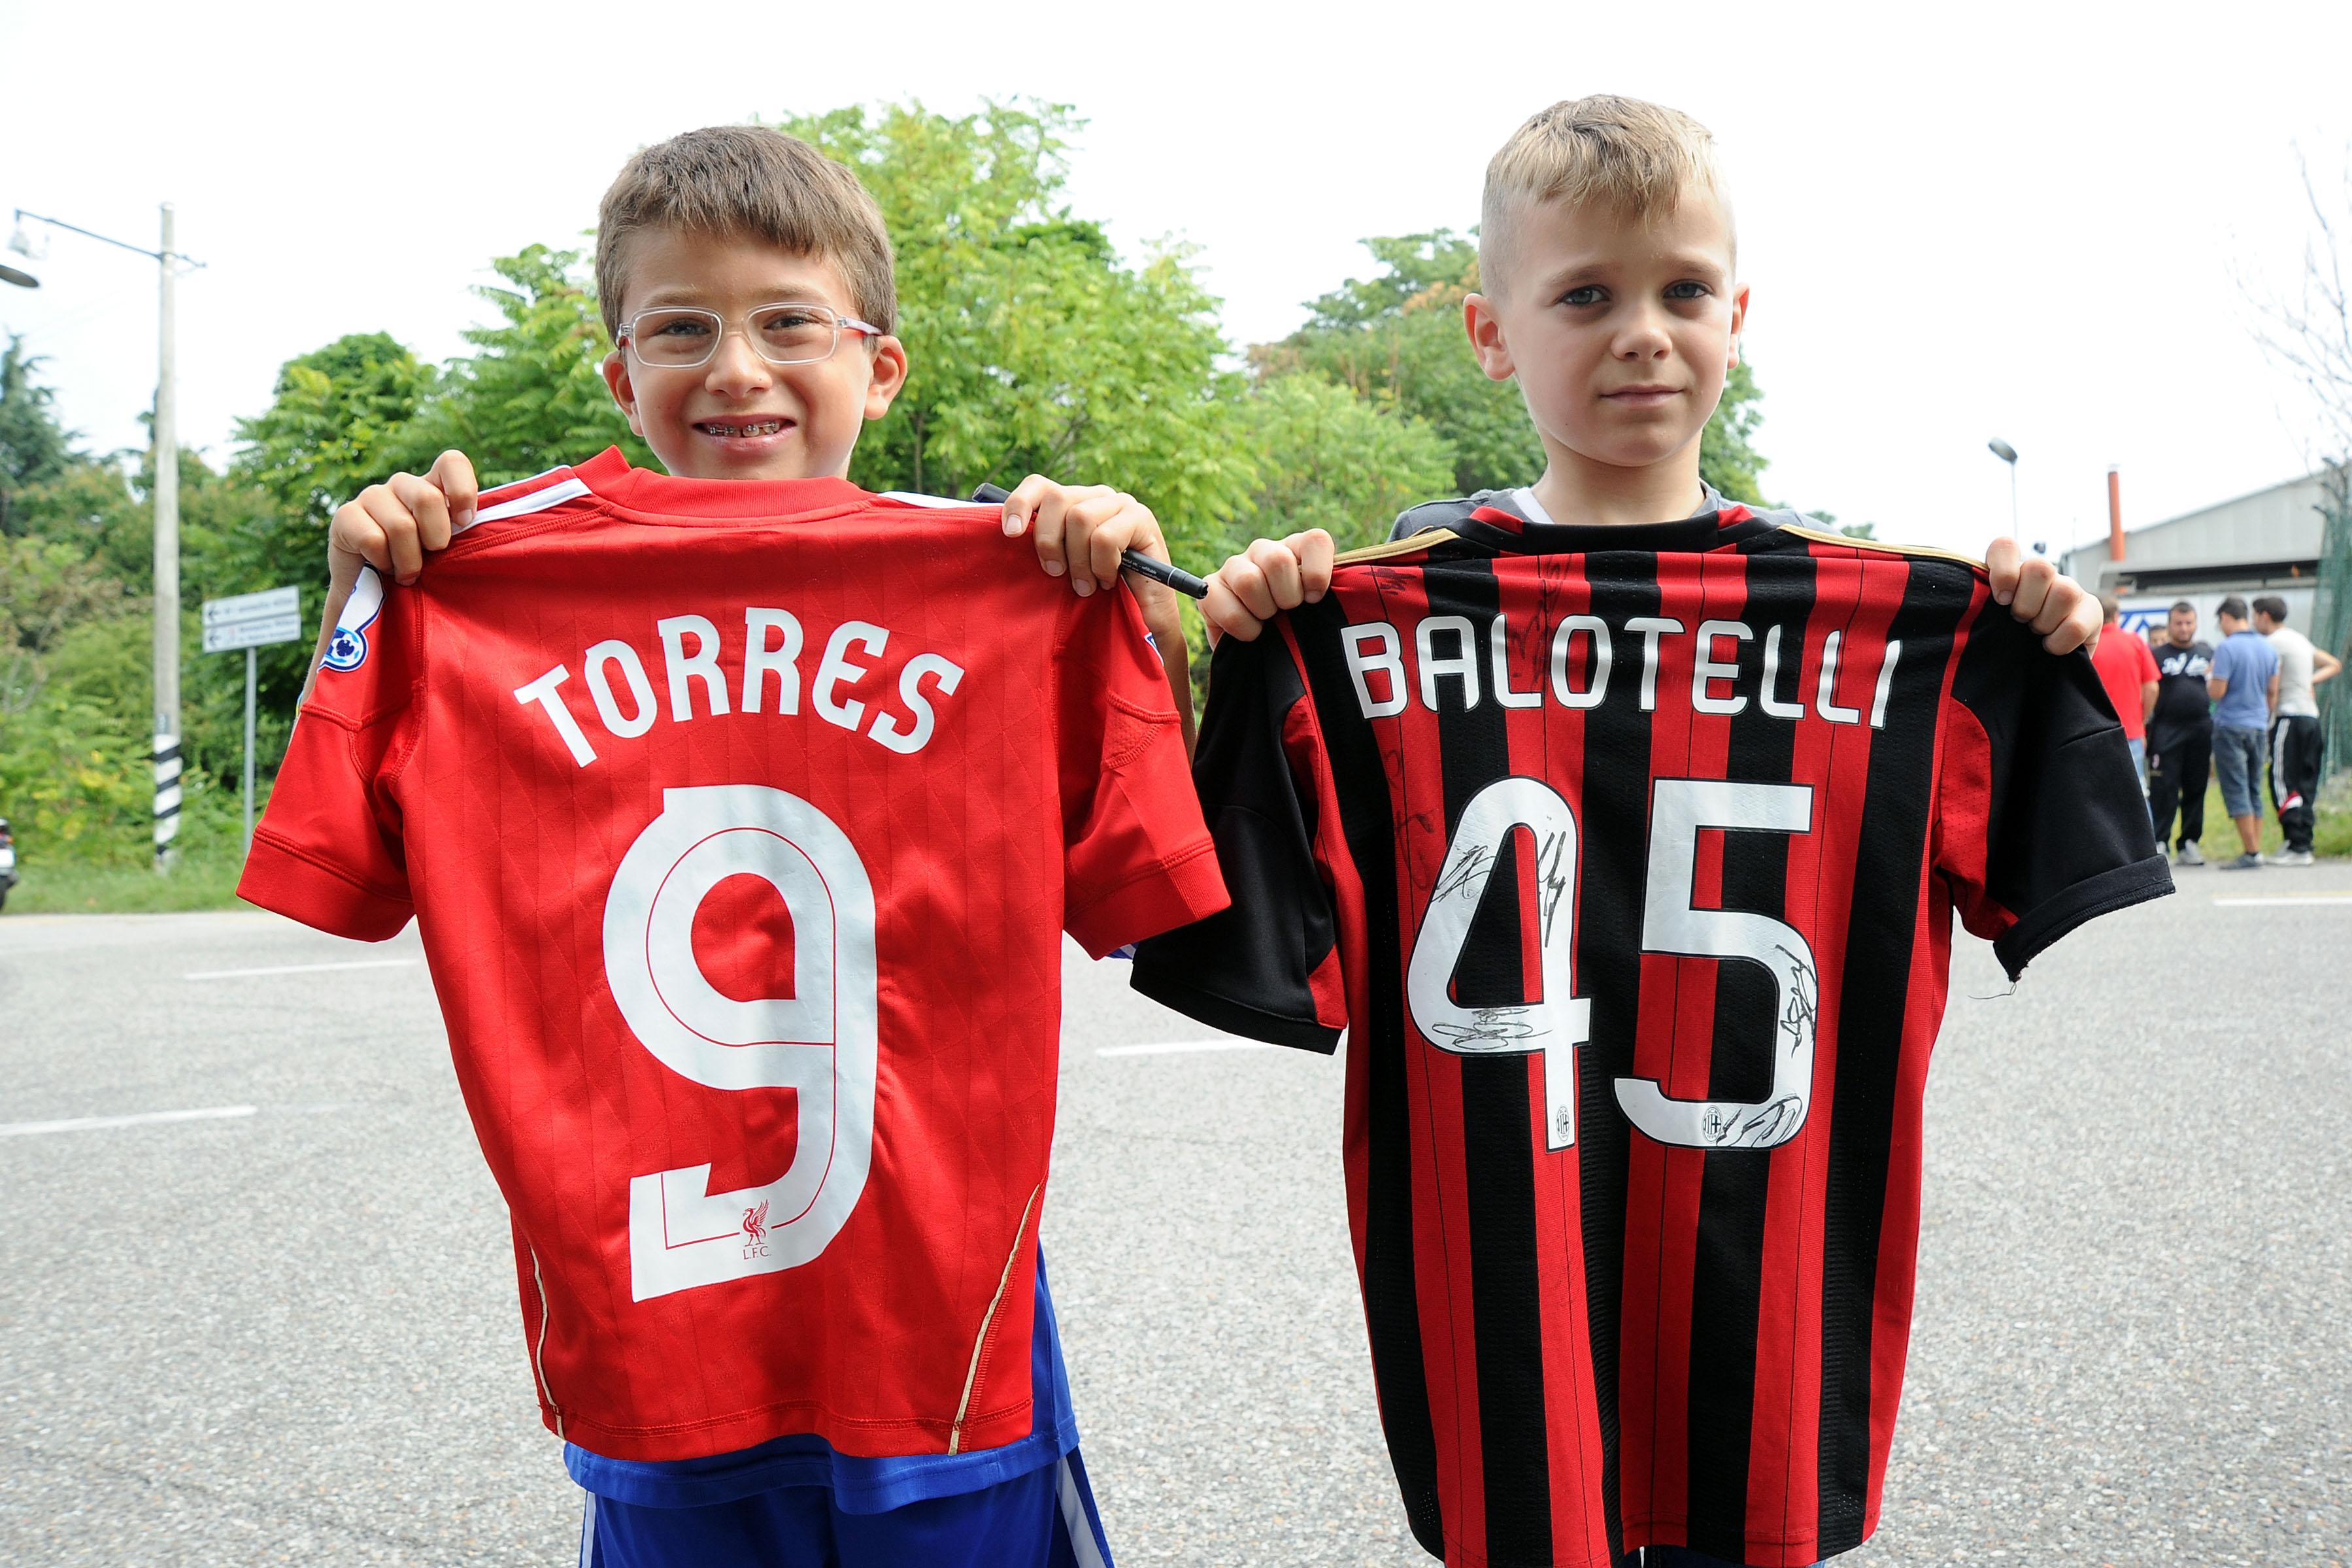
{"x": 1032, "y": 347}
{"x": 34, "y": 448}
{"x": 1728, "y": 458}
{"x": 340, "y": 419}
{"x": 1397, "y": 337}
{"x": 531, "y": 396}
{"x": 1330, "y": 459}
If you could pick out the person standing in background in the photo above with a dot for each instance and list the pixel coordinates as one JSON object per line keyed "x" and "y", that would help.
{"x": 2180, "y": 733}
{"x": 2245, "y": 682}
{"x": 2298, "y": 745}
{"x": 2128, "y": 669}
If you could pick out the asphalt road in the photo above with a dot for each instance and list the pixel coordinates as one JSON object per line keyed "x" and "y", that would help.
{"x": 288, "y": 1332}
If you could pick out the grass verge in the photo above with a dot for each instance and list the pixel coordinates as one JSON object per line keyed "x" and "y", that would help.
{"x": 2331, "y": 831}
{"x": 198, "y": 882}
{"x": 205, "y": 877}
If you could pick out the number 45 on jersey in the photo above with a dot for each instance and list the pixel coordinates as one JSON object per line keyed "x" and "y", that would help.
{"x": 1559, "y": 1023}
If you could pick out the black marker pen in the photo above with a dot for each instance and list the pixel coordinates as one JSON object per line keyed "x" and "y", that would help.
{"x": 1133, "y": 560}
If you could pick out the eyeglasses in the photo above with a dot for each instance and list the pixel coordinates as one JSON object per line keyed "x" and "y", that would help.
{"x": 679, "y": 337}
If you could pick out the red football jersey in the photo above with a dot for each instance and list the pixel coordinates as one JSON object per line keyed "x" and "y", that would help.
{"x": 741, "y": 822}
{"x": 1628, "y": 858}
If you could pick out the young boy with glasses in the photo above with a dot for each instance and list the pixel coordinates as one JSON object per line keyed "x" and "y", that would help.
{"x": 748, "y": 284}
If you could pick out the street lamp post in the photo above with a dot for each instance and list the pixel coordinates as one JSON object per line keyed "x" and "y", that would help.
{"x": 167, "y": 523}
{"x": 167, "y": 566}
{"x": 2008, "y": 454}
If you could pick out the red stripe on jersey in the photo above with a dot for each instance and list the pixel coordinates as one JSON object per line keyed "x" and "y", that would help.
{"x": 1871, "y": 590}
{"x": 1672, "y": 1045}
{"x": 1411, "y": 751}
{"x": 1546, "y": 742}
{"x": 1792, "y": 1454}
{"x": 1302, "y": 740}
{"x": 1819, "y": 863}
{"x": 1302, "y": 743}
{"x": 1898, "y": 1247}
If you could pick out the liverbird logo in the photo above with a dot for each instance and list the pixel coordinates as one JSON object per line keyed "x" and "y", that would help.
{"x": 755, "y": 1230}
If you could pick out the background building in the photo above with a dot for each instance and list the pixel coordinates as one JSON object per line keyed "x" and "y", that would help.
{"x": 2268, "y": 542}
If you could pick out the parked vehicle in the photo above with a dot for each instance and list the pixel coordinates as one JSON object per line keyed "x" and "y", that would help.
{"x": 7, "y": 862}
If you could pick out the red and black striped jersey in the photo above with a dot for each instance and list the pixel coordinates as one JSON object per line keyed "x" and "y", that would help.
{"x": 1627, "y": 857}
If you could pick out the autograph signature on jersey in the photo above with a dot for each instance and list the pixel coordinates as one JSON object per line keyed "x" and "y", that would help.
{"x": 1486, "y": 1024}
{"x": 1477, "y": 863}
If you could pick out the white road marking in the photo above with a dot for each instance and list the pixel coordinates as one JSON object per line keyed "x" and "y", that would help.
{"x": 2285, "y": 899}
{"x": 147, "y": 1118}
{"x": 301, "y": 968}
{"x": 1179, "y": 1046}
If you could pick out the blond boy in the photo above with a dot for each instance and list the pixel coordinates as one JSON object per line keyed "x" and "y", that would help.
{"x": 1621, "y": 830}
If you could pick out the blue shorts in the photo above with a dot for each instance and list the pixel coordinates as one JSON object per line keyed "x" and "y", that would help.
{"x": 2238, "y": 763}
{"x": 1044, "y": 1518}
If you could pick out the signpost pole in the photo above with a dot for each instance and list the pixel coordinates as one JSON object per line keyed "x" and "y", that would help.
{"x": 250, "y": 660}
{"x": 249, "y": 622}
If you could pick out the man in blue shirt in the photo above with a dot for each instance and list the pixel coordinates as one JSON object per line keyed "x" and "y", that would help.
{"x": 2244, "y": 684}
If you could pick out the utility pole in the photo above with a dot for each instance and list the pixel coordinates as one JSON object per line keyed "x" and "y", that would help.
{"x": 167, "y": 517}
{"x": 167, "y": 571}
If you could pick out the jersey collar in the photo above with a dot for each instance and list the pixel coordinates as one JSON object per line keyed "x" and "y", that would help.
{"x": 665, "y": 496}
{"x": 1504, "y": 525}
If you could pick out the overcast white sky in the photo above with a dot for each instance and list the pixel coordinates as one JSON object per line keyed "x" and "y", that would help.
{"x": 1957, "y": 222}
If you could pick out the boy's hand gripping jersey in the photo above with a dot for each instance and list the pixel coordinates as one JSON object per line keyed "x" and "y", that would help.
{"x": 741, "y": 822}
{"x": 1630, "y": 875}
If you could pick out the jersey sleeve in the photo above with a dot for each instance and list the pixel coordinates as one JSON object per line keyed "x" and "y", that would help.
{"x": 2143, "y": 662}
{"x": 2041, "y": 824}
{"x": 1268, "y": 966}
{"x": 1136, "y": 856}
{"x": 327, "y": 850}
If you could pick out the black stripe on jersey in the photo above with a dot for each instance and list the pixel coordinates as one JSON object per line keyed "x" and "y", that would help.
{"x": 1728, "y": 1279}
{"x": 1391, "y": 1307}
{"x": 1614, "y": 868}
{"x": 1876, "y": 981}
{"x": 1498, "y": 1150}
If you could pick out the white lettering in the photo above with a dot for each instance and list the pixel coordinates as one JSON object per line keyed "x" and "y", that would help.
{"x": 781, "y": 661}
{"x": 1768, "y": 698}
{"x": 1499, "y": 640}
{"x": 836, "y": 669}
{"x": 702, "y": 665}
{"x": 1461, "y": 662}
{"x": 543, "y": 692}
{"x": 1825, "y": 693}
{"x": 1592, "y": 626}
{"x": 1706, "y": 668}
{"x": 614, "y": 652}
{"x": 1388, "y": 662}
{"x": 1651, "y": 627}
{"x": 1886, "y": 682}
{"x": 907, "y": 742}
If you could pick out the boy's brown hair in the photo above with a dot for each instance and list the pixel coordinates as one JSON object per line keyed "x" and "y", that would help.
{"x": 1622, "y": 155}
{"x": 749, "y": 182}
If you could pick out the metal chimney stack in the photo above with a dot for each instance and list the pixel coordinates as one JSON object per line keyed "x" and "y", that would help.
{"x": 2115, "y": 513}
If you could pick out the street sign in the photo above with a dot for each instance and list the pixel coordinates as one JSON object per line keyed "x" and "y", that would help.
{"x": 253, "y": 620}
{"x": 250, "y": 621}
{"x": 238, "y": 635}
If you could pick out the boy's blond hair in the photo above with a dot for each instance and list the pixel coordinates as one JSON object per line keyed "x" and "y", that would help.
{"x": 1621, "y": 155}
{"x": 748, "y": 181}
